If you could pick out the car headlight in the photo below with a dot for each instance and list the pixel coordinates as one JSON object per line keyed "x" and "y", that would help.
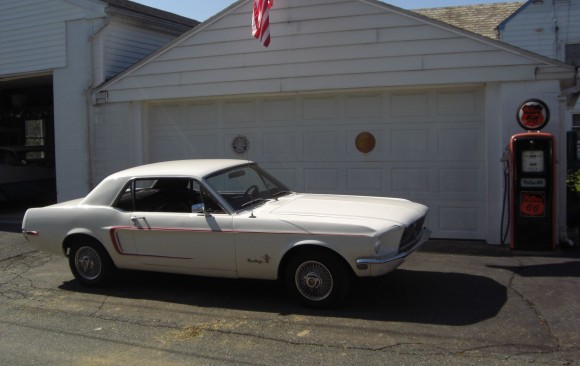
{"x": 377, "y": 247}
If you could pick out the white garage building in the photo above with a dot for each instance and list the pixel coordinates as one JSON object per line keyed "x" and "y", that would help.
{"x": 439, "y": 101}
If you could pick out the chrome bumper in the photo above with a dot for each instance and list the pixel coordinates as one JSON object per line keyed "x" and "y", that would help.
{"x": 364, "y": 262}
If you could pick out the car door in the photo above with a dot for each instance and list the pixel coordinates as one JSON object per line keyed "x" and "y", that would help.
{"x": 168, "y": 236}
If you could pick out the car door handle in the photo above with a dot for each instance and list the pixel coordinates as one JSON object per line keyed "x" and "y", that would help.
{"x": 136, "y": 221}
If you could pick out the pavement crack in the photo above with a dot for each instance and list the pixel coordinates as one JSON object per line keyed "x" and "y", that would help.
{"x": 533, "y": 307}
{"x": 10, "y": 258}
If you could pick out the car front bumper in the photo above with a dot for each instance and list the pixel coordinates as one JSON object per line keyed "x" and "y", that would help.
{"x": 382, "y": 265}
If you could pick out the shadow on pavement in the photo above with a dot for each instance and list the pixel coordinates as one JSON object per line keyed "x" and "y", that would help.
{"x": 568, "y": 269}
{"x": 476, "y": 248}
{"x": 404, "y": 296}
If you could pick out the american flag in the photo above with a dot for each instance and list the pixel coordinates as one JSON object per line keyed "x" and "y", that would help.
{"x": 261, "y": 21}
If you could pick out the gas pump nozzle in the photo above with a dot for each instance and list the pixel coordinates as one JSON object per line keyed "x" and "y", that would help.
{"x": 505, "y": 159}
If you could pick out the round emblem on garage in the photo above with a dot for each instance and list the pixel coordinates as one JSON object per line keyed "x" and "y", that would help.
{"x": 365, "y": 142}
{"x": 240, "y": 144}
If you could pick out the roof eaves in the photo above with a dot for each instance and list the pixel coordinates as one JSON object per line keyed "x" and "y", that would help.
{"x": 136, "y": 8}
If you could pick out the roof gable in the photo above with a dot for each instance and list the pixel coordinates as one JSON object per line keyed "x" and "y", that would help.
{"x": 321, "y": 45}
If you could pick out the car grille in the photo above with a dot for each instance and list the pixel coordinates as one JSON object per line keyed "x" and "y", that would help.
{"x": 411, "y": 235}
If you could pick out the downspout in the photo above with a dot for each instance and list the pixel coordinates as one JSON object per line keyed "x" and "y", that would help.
{"x": 570, "y": 97}
{"x": 88, "y": 98}
{"x": 572, "y": 93}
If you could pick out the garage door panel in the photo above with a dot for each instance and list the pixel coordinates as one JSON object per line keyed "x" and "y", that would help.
{"x": 461, "y": 143}
{"x": 166, "y": 114}
{"x": 368, "y": 181}
{"x": 239, "y": 111}
{"x": 323, "y": 180}
{"x": 458, "y": 220}
{"x": 411, "y": 143}
{"x": 459, "y": 103}
{"x": 410, "y": 105}
{"x": 460, "y": 181}
{"x": 322, "y": 144}
{"x": 168, "y": 147}
{"x": 280, "y": 146}
{"x": 412, "y": 181}
{"x": 317, "y": 108}
{"x": 204, "y": 146}
{"x": 277, "y": 110}
{"x": 365, "y": 105}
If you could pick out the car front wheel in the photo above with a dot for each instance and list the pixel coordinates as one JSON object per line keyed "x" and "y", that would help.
{"x": 317, "y": 279}
{"x": 90, "y": 263}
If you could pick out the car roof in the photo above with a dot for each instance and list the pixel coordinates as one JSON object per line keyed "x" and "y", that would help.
{"x": 107, "y": 190}
{"x": 194, "y": 167}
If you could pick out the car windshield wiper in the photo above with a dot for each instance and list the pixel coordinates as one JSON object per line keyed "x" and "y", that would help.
{"x": 281, "y": 193}
{"x": 255, "y": 200}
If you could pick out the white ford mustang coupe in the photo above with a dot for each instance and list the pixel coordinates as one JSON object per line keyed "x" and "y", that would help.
{"x": 228, "y": 218}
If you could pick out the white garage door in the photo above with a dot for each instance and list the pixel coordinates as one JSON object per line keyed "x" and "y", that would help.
{"x": 430, "y": 145}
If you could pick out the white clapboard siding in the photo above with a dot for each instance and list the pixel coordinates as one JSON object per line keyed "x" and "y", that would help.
{"x": 544, "y": 28}
{"x": 33, "y": 33}
{"x": 317, "y": 45}
{"x": 125, "y": 44}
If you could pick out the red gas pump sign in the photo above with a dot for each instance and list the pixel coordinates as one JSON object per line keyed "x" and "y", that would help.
{"x": 533, "y": 204}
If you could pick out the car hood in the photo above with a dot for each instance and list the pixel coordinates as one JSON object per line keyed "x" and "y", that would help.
{"x": 396, "y": 211}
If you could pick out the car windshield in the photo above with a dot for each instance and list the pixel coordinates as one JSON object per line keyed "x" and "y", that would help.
{"x": 246, "y": 186}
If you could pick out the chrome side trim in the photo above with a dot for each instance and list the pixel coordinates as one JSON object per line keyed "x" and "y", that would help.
{"x": 386, "y": 259}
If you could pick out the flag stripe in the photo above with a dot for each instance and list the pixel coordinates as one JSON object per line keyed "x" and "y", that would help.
{"x": 261, "y": 21}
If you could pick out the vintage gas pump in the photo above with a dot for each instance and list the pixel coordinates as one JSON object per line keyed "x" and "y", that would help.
{"x": 533, "y": 167}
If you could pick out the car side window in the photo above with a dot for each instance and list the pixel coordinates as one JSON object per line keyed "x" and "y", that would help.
{"x": 165, "y": 195}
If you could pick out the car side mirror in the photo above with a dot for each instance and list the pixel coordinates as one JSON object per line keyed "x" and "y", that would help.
{"x": 198, "y": 208}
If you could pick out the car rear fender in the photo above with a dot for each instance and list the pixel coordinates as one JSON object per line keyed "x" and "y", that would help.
{"x": 76, "y": 234}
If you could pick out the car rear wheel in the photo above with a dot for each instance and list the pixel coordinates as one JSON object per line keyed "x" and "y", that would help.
{"x": 90, "y": 263}
{"x": 317, "y": 279}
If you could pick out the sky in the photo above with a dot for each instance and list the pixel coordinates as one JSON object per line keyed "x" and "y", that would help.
{"x": 202, "y": 9}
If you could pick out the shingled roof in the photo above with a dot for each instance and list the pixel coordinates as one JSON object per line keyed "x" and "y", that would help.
{"x": 482, "y": 19}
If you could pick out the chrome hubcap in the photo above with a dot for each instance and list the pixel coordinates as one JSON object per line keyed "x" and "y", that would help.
{"x": 314, "y": 281}
{"x": 88, "y": 263}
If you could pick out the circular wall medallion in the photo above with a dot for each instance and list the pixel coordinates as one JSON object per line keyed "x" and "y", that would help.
{"x": 365, "y": 142}
{"x": 240, "y": 144}
{"x": 533, "y": 114}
